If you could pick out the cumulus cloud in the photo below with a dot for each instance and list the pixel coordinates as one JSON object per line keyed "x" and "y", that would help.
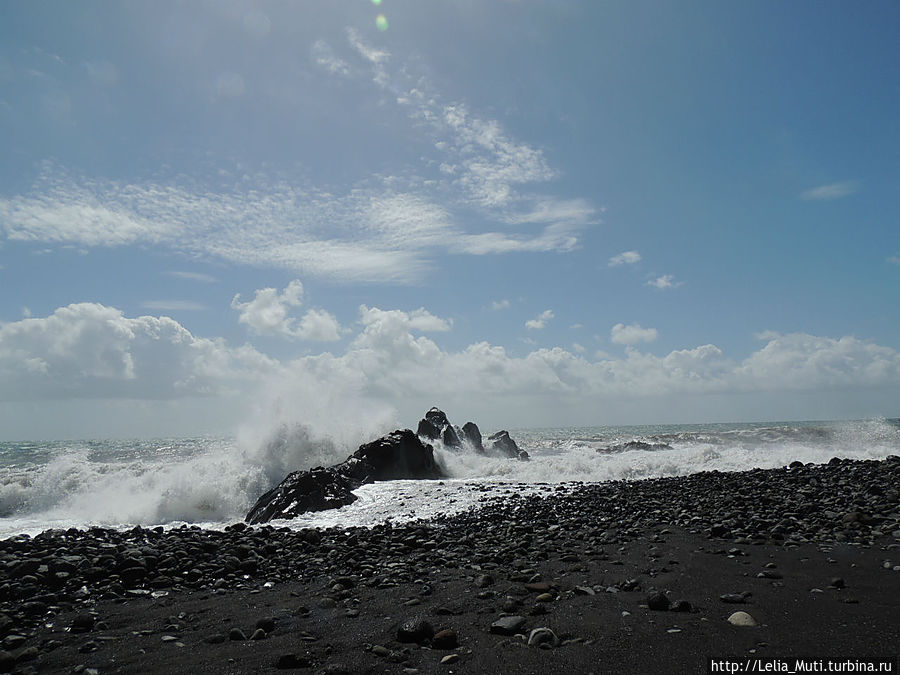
{"x": 631, "y": 334}
{"x": 664, "y": 282}
{"x": 497, "y": 305}
{"x": 625, "y": 258}
{"x": 540, "y": 320}
{"x": 88, "y": 350}
{"x": 830, "y": 191}
{"x": 268, "y": 313}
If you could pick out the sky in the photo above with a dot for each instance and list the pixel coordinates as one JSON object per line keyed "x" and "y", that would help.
{"x": 528, "y": 213}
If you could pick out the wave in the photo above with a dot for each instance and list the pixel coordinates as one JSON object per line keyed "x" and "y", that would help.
{"x": 215, "y": 481}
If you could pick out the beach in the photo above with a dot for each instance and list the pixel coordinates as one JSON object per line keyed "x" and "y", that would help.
{"x": 623, "y": 576}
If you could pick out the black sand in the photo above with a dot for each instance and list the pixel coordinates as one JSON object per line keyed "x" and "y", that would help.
{"x": 809, "y": 553}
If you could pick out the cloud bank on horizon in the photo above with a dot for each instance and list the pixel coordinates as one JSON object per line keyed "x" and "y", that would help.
{"x": 210, "y": 208}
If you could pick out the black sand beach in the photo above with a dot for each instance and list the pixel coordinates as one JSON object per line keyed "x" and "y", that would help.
{"x": 626, "y": 577}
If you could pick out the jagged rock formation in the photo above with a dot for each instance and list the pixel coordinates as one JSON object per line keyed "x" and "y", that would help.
{"x": 397, "y": 455}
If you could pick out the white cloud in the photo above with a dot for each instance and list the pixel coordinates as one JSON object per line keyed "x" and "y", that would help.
{"x": 89, "y": 351}
{"x": 631, "y": 334}
{"x": 664, "y": 282}
{"x": 894, "y": 260}
{"x": 268, "y": 313}
{"x": 173, "y": 305}
{"x": 497, "y": 305}
{"x": 578, "y": 348}
{"x": 192, "y": 276}
{"x": 324, "y": 57}
{"x": 319, "y": 325}
{"x": 830, "y": 191}
{"x": 625, "y": 258}
{"x": 539, "y": 321}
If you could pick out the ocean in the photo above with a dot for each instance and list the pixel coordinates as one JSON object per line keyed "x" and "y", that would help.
{"x": 212, "y": 482}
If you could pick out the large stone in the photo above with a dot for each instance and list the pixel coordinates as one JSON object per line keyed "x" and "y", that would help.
{"x": 502, "y": 443}
{"x": 472, "y": 435}
{"x": 397, "y": 455}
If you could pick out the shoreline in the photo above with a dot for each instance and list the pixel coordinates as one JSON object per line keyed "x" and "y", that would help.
{"x": 809, "y": 552}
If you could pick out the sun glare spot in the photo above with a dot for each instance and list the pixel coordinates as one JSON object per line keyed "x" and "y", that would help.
{"x": 376, "y": 2}
{"x": 381, "y": 22}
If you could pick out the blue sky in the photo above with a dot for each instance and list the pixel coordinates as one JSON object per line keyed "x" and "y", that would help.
{"x": 525, "y": 212}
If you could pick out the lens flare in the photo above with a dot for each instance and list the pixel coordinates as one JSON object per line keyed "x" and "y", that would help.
{"x": 376, "y": 2}
{"x": 381, "y": 22}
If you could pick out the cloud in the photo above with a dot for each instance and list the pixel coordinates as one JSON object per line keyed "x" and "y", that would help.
{"x": 324, "y": 57}
{"x": 319, "y": 325}
{"x": 664, "y": 282}
{"x": 267, "y": 312}
{"x": 830, "y": 191}
{"x": 625, "y": 258}
{"x": 173, "y": 305}
{"x": 894, "y": 260}
{"x": 498, "y": 305}
{"x": 88, "y": 350}
{"x": 540, "y": 321}
{"x": 631, "y": 334}
{"x": 192, "y": 276}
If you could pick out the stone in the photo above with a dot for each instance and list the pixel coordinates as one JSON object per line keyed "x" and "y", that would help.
{"x": 472, "y": 435}
{"x": 658, "y": 602}
{"x": 445, "y": 639}
{"x": 507, "y": 625}
{"x": 397, "y": 455}
{"x": 741, "y": 619}
{"x": 450, "y": 658}
{"x": 484, "y": 580}
{"x": 237, "y": 635}
{"x": 681, "y": 606}
{"x": 501, "y": 443}
{"x": 543, "y": 637}
{"x": 415, "y": 630}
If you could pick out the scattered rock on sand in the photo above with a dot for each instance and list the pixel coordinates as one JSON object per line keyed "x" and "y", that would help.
{"x": 741, "y": 619}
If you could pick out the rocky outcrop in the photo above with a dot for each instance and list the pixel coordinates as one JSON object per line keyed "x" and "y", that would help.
{"x": 472, "y": 434}
{"x": 502, "y": 443}
{"x": 634, "y": 445}
{"x": 398, "y": 455}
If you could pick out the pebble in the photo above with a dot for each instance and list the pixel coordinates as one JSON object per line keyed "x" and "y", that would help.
{"x": 658, "y": 602}
{"x": 445, "y": 639}
{"x": 450, "y": 658}
{"x": 416, "y": 630}
{"x": 543, "y": 637}
{"x": 741, "y": 619}
{"x": 507, "y": 625}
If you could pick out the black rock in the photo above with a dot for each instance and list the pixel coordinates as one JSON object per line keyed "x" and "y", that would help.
{"x": 416, "y": 630}
{"x": 437, "y": 417}
{"x": 83, "y": 623}
{"x": 658, "y": 602}
{"x": 450, "y": 437}
{"x": 472, "y": 434}
{"x": 397, "y": 455}
{"x": 501, "y": 443}
{"x": 507, "y": 625}
{"x": 427, "y": 429}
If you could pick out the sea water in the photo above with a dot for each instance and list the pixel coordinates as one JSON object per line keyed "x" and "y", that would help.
{"x": 212, "y": 482}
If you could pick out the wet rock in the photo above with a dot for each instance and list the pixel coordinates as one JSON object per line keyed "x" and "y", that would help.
{"x": 415, "y": 630}
{"x": 507, "y": 625}
{"x": 82, "y": 623}
{"x": 472, "y": 435}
